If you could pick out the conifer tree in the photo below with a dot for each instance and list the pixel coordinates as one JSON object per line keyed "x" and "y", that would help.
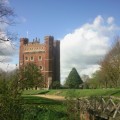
{"x": 73, "y": 80}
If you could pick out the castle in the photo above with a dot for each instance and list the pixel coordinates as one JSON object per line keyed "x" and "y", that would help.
{"x": 45, "y": 55}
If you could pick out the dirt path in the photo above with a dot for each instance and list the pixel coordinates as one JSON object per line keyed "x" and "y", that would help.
{"x": 53, "y": 97}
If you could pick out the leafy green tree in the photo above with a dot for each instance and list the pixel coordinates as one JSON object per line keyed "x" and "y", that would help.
{"x": 95, "y": 81}
{"x": 30, "y": 76}
{"x": 10, "y": 98}
{"x": 73, "y": 80}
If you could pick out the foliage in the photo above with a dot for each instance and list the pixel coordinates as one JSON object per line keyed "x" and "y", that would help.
{"x": 109, "y": 74}
{"x": 72, "y": 112}
{"x": 56, "y": 85}
{"x": 95, "y": 81}
{"x": 73, "y": 80}
{"x": 30, "y": 77}
{"x": 33, "y": 112}
{"x": 13, "y": 107}
{"x": 10, "y": 94}
{"x": 10, "y": 99}
{"x": 37, "y": 108}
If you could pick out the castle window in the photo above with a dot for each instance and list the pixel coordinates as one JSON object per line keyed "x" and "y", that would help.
{"x": 39, "y": 58}
{"x": 26, "y": 58}
{"x": 41, "y": 68}
{"x": 32, "y": 58}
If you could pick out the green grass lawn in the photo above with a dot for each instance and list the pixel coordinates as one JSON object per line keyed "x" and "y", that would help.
{"x": 76, "y": 92}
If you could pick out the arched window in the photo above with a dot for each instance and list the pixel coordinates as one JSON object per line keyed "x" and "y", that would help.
{"x": 39, "y": 58}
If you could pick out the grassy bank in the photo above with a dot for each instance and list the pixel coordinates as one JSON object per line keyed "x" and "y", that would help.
{"x": 37, "y": 108}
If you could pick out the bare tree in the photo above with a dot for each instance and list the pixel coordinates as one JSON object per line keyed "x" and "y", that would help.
{"x": 6, "y": 19}
{"x": 110, "y": 66}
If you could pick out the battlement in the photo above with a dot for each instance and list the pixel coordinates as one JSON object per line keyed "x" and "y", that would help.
{"x": 48, "y": 37}
{"x": 24, "y": 40}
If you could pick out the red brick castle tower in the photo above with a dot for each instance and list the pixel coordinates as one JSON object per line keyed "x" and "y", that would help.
{"x": 45, "y": 55}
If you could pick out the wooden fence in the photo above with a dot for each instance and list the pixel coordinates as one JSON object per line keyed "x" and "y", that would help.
{"x": 98, "y": 108}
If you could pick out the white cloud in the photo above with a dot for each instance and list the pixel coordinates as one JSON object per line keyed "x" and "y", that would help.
{"x": 7, "y": 56}
{"x": 110, "y": 20}
{"x": 85, "y": 47}
{"x": 7, "y": 51}
{"x": 8, "y": 66}
{"x": 6, "y": 47}
{"x": 98, "y": 21}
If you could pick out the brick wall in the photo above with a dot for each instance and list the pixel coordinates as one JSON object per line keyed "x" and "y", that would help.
{"x": 46, "y": 56}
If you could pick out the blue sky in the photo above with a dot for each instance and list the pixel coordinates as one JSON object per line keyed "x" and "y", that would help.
{"x": 59, "y": 17}
{"x": 84, "y": 27}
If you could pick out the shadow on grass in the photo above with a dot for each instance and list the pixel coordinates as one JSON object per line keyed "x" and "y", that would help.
{"x": 111, "y": 93}
{"x": 44, "y": 92}
{"x": 116, "y": 93}
{"x": 40, "y": 100}
{"x": 38, "y": 108}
